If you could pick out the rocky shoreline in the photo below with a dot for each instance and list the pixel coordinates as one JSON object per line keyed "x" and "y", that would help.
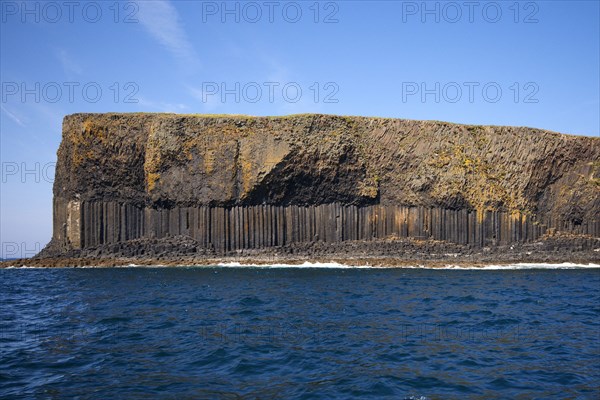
{"x": 185, "y": 251}
{"x": 169, "y": 189}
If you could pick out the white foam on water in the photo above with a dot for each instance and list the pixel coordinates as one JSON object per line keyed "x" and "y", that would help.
{"x": 335, "y": 265}
{"x": 565, "y": 265}
{"x": 518, "y": 266}
{"x": 493, "y": 267}
{"x": 306, "y": 264}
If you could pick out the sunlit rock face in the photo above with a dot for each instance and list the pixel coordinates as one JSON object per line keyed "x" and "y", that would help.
{"x": 236, "y": 182}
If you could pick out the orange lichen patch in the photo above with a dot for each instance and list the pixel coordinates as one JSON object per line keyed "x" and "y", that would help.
{"x": 440, "y": 160}
{"x": 152, "y": 160}
{"x": 209, "y": 161}
{"x": 84, "y": 140}
{"x": 595, "y": 174}
{"x": 246, "y": 167}
{"x": 151, "y": 179}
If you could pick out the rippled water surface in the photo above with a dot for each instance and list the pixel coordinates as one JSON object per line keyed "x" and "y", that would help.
{"x": 299, "y": 333}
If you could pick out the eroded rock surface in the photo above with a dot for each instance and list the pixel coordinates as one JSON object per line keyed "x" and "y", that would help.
{"x": 226, "y": 180}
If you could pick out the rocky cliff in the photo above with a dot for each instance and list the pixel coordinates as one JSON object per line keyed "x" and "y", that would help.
{"x": 238, "y": 182}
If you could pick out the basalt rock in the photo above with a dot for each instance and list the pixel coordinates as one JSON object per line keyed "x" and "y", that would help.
{"x": 236, "y": 182}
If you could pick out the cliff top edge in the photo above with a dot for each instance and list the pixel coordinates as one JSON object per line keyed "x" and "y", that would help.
{"x": 319, "y": 115}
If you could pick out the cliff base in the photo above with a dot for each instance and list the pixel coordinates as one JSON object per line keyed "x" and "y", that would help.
{"x": 185, "y": 251}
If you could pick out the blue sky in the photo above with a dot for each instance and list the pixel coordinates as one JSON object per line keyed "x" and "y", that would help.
{"x": 502, "y": 63}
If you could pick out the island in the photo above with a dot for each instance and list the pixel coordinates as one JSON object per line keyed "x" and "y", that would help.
{"x": 173, "y": 189}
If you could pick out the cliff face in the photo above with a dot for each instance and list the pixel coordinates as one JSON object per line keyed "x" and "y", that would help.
{"x": 235, "y": 182}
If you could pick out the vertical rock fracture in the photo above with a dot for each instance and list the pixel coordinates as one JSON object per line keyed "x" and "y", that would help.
{"x": 239, "y": 182}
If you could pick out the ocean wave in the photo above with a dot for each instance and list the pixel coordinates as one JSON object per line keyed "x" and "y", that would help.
{"x": 335, "y": 265}
{"x": 516, "y": 266}
{"x": 564, "y": 265}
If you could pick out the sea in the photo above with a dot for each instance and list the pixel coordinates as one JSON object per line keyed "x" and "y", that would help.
{"x": 313, "y": 331}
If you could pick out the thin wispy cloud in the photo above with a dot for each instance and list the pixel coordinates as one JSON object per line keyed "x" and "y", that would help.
{"x": 162, "y": 22}
{"x": 12, "y": 116}
{"x": 69, "y": 65}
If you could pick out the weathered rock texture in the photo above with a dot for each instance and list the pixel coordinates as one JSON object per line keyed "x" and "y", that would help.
{"x": 238, "y": 182}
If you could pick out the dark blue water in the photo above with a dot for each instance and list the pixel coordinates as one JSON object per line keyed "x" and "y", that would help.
{"x": 299, "y": 333}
